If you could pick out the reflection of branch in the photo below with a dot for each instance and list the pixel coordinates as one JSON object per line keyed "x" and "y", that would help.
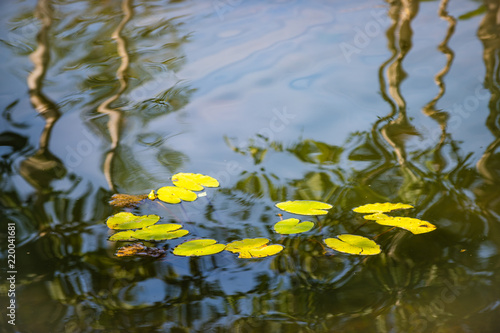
{"x": 42, "y": 167}
{"x": 115, "y": 116}
{"x": 430, "y": 109}
{"x": 40, "y": 58}
{"x": 396, "y": 131}
{"x": 399, "y": 43}
{"x": 488, "y": 33}
{"x": 482, "y": 165}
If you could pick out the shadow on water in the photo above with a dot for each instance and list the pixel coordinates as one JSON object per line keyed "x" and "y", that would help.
{"x": 70, "y": 281}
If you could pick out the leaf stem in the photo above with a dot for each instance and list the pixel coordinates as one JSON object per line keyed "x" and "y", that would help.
{"x": 212, "y": 206}
{"x": 158, "y": 201}
{"x": 383, "y": 232}
{"x": 319, "y": 222}
{"x": 359, "y": 226}
{"x": 186, "y": 216}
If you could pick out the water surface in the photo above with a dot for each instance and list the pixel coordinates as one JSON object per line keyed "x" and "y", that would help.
{"x": 341, "y": 102}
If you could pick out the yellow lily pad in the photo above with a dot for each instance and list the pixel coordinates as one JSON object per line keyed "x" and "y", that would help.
{"x": 381, "y": 207}
{"x": 376, "y": 216}
{"x": 152, "y": 195}
{"x": 152, "y": 233}
{"x": 194, "y": 181}
{"x": 126, "y": 220}
{"x": 353, "y": 244}
{"x": 122, "y": 236}
{"x": 261, "y": 252}
{"x": 304, "y": 207}
{"x": 292, "y": 226}
{"x": 198, "y": 247}
{"x": 413, "y": 225}
{"x": 253, "y": 248}
{"x": 173, "y": 194}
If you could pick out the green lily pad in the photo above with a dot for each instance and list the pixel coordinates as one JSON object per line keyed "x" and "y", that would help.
{"x": 353, "y": 244}
{"x": 173, "y": 194}
{"x": 381, "y": 207}
{"x": 126, "y": 220}
{"x": 304, "y": 207}
{"x": 254, "y": 248}
{"x": 415, "y": 226}
{"x": 198, "y": 247}
{"x": 152, "y": 233}
{"x": 292, "y": 226}
{"x": 194, "y": 181}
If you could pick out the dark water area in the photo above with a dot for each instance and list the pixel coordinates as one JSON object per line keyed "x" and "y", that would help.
{"x": 345, "y": 102}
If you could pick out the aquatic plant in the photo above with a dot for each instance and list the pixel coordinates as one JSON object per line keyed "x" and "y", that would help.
{"x": 185, "y": 185}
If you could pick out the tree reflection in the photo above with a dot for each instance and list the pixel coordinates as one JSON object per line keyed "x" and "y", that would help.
{"x": 412, "y": 290}
{"x": 43, "y": 167}
{"x": 488, "y": 33}
{"x": 73, "y": 282}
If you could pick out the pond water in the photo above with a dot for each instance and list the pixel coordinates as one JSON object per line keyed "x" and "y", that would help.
{"x": 342, "y": 102}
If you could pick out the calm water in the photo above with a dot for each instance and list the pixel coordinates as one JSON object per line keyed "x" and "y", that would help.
{"x": 339, "y": 101}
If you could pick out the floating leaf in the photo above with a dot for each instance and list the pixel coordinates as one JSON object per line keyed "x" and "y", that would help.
{"x": 376, "y": 216}
{"x": 265, "y": 251}
{"x": 194, "y": 181}
{"x": 126, "y": 200}
{"x": 126, "y": 220}
{"x": 381, "y": 207}
{"x": 415, "y": 226}
{"x": 122, "y": 236}
{"x": 172, "y": 194}
{"x": 353, "y": 244}
{"x": 139, "y": 250}
{"x": 161, "y": 232}
{"x": 253, "y": 248}
{"x": 293, "y": 226}
{"x": 304, "y": 207}
{"x": 198, "y": 247}
{"x": 152, "y": 233}
{"x": 152, "y": 195}
{"x": 246, "y": 244}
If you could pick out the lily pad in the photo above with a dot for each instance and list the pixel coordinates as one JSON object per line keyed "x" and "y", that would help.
{"x": 198, "y": 247}
{"x": 152, "y": 233}
{"x": 381, "y": 207}
{"x": 376, "y": 216}
{"x": 304, "y": 207}
{"x": 123, "y": 236}
{"x": 413, "y": 225}
{"x": 194, "y": 181}
{"x": 152, "y": 195}
{"x": 126, "y": 220}
{"x": 292, "y": 226}
{"x": 173, "y": 194}
{"x": 353, "y": 244}
{"x": 253, "y": 248}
